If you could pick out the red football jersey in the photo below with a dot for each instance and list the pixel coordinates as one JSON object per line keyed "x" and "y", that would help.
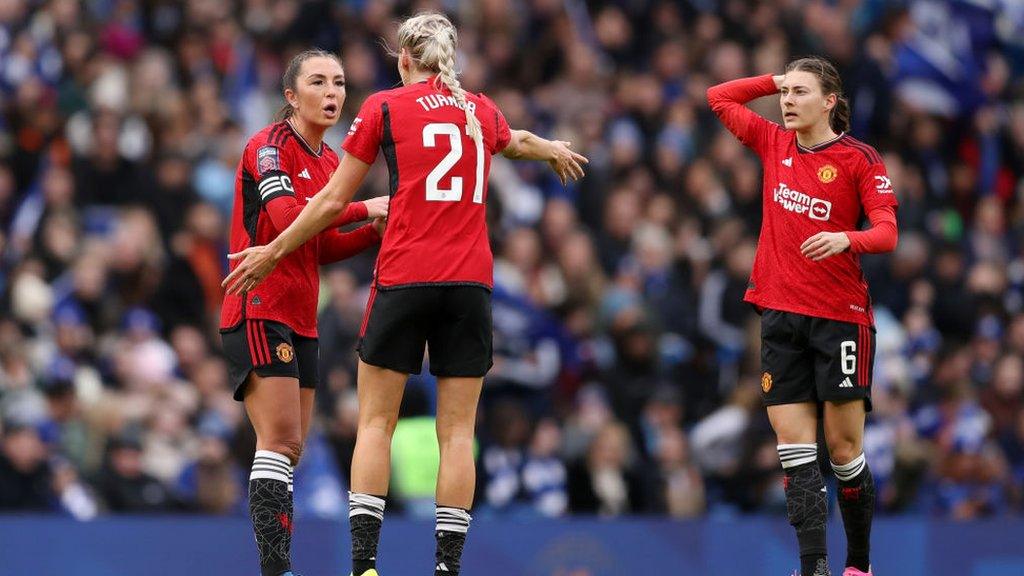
{"x": 276, "y": 176}
{"x": 436, "y": 231}
{"x": 830, "y": 187}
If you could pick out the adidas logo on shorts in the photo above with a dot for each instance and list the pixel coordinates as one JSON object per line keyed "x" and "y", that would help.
{"x": 846, "y": 383}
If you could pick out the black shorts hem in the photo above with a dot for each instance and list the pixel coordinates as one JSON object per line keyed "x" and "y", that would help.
{"x": 465, "y": 372}
{"x": 867, "y": 402}
{"x": 378, "y": 363}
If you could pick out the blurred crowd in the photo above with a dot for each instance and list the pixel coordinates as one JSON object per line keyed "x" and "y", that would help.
{"x": 626, "y": 376}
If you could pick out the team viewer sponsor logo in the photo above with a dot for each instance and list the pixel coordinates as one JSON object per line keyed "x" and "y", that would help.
{"x": 800, "y": 203}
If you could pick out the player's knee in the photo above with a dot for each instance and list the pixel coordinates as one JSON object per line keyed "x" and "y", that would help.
{"x": 452, "y": 437}
{"x": 381, "y": 426}
{"x": 795, "y": 436}
{"x": 290, "y": 448}
{"x": 842, "y": 451}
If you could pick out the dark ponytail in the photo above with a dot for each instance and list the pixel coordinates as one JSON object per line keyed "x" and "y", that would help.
{"x": 828, "y": 77}
{"x": 839, "y": 119}
{"x": 291, "y": 77}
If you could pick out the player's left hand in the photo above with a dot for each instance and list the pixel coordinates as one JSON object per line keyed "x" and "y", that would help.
{"x": 824, "y": 245}
{"x": 257, "y": 262}
{"x": 566, "y": 163}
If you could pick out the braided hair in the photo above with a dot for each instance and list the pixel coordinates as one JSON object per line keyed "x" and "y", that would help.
{"x": 431, "y": 39}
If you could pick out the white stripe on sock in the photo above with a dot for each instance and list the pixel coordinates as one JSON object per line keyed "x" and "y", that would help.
{"x": 797, "y": 454}
{"x": 851, "y": 469}
{"x": 269, "y": 475}
{"x": 452, "y": 519}
{"x": 365, "y": 504}
{"x": 273, "y": 456}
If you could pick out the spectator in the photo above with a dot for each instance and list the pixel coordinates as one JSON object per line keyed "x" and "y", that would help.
{"x": 604, "y": 483}
{"x": 119, "y": 126}
{"x": 125, "y": 487}
{"x": 26, "y": 479}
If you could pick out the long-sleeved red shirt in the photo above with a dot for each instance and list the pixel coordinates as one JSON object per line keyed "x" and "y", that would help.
{"x": 277, "y": 175}
{"x": 828, "y": 187}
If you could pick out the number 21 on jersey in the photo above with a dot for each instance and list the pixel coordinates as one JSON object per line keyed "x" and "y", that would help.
{"x": 435, "y": 193}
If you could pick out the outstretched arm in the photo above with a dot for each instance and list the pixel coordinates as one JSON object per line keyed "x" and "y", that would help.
{"x": 526, "y": 145}
{"x": 258, "y": 261}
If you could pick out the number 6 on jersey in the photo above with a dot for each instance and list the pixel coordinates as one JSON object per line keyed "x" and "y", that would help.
{"x": 434, "y": 192}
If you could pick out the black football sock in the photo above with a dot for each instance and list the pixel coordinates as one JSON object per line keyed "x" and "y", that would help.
{"x": 270, "y": 508}
{"x": 806, "y": 504}
{"x": 365, "y": 516}
{"x": 857, "y": 504}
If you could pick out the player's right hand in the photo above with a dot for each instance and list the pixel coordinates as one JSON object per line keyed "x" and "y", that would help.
{"x": 566, "y": 163}
{"x": 377, "y": 207}
{"x": 257, "y": 262}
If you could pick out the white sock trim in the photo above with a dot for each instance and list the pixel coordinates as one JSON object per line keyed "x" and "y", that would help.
{"x": 851, "y": 469}
{"x": 797, "y": 454}
{"x": 271, "y": 466}
{"x": 267, "y": 475}
{"x": 273, "y": 456}
{"x": 452, "y": 519}
{"x": 368, "y": 504}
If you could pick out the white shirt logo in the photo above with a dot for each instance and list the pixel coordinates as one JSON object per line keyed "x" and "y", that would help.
{"x": 355, "y": 126}
{"x": 788, "y": 162}
{"x": 304, "y": 174}
{"x": 884, "y": 185}
{"x": 801, "y": 203}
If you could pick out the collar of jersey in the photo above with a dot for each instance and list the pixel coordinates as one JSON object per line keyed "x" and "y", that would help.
{"x": 821, "y": 146}
{"x": 303, "y": 141}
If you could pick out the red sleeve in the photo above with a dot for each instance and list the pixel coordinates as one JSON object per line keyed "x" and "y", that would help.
{"x": 354, "y": 212}
{"x": 873, "y": 184}
{"x": 882, "y": 235}
{"x": 270, "y": 165}
{"x": 366, "y": 132}
{"x": 284, "y": 209}
{"x": 502, "y": 130}
{"x": 336, "y": 246}
{"x": 727, "y": 101}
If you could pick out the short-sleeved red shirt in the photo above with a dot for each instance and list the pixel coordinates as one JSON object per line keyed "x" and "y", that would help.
{"x": 436, "y": 231}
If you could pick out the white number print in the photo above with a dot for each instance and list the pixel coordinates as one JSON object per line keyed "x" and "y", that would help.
{"x": 434, "y": 192}
{"x": 848, "y": 357}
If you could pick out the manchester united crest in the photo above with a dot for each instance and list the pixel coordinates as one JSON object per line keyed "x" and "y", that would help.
{"x": 285, "y": 352}
{"x": 766, "y": 382}
{"x": 827, "y": 173}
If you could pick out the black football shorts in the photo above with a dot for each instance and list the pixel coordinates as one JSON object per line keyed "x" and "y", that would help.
{"x": 270, "y": 349}
{"x": 809, "y": 359}
{"x": 452, "y": 321}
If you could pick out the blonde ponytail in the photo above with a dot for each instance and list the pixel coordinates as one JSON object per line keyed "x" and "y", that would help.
{"x": 431, "y": 40}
